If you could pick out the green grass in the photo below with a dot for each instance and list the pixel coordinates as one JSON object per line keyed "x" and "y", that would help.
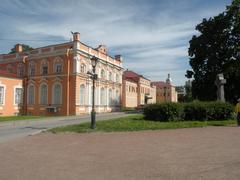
{"x": 16, "y": 118}
{"x": 136, "y": 123}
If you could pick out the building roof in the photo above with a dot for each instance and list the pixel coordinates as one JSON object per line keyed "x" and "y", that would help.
{"x": 4, "y": 73}
{"x": 132, "y": 74}
{"x": 161, "y": 84}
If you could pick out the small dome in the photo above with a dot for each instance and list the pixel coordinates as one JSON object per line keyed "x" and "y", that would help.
{"x": 169, "y": 80}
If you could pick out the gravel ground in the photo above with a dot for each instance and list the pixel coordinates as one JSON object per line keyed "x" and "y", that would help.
{"x": 182, "y": 154}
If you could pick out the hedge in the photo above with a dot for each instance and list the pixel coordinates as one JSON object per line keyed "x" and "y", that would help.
{"x": 194, "y": 111}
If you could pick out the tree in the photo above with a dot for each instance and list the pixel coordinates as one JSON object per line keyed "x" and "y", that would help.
{"x": 216, "y": 50}
{"x": 25, "y": 48}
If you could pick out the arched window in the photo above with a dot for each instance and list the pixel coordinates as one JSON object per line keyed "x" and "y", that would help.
{"x": 20, "y": 70}
{"x": 43, "y": 94}
{"x": 117, "y": 97}
{"x": 110, "y": 76}
{"x": 31, "y": 68}
{"x": 117, "y": 78}
{"x": 31, "y": 94}
{"x": 102, "y": 74}
{"x": 82, "y": 94}
{"x": 102, "y": 96}
{"x": 58, "y": 67}
{"x": 57, "y": 94}
{"x": 110, "y": 97}
{"x": 44, "y": 67}
{"x": 83, "y": 68}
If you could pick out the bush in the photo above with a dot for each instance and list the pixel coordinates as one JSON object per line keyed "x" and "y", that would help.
{"x": 163, "y": 112}
{"x": 194, "y": 111}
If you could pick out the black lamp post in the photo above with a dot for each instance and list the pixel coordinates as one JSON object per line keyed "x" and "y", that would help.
{"x": 94, "y": 77}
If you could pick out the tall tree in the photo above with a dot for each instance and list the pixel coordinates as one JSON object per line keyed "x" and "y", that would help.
{"x": 25, "y": 48}
{"x": 216, "y": 50}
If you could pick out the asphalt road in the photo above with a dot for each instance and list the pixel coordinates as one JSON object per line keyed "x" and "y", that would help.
{"x": 18, "y": 129}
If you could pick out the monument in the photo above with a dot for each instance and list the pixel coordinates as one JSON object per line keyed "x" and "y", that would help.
{"x": 219, "y": 82}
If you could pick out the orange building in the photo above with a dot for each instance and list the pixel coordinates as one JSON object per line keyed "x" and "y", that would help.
{"x": 55, "y": 79}
{"x": 137, "y": 90}
{"x": 11, "y": 91}
{"x": 166, "y": 92}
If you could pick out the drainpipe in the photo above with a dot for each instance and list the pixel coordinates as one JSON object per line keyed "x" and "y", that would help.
{"x": 68, "y": 81}
{"x": 25, "y": 80}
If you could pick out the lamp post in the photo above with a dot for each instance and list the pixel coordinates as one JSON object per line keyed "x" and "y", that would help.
{"x": 94, "y": 77}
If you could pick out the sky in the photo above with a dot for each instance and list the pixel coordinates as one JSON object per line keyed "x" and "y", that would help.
{"x": 151, "y": 35}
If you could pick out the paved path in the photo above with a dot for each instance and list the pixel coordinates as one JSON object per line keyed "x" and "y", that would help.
{"x": 211, "y": 153}
{"x": 12, "y": 130}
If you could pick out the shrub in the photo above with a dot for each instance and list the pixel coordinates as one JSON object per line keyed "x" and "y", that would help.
{"x": 219, "y": 111}
{"x": 163, "y": 112}
{"x": 194, "y": 111}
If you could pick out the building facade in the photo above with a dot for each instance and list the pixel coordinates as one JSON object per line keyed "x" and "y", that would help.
{"x": 166, "y": 92}
{"x": 55, "y": 80}
{"x": 11, "y": 90}
{"x": 137, "y": 90}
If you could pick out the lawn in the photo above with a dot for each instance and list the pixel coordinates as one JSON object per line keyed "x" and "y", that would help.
{"x": 136, "y": 123}
{"x": 16, "y": 118}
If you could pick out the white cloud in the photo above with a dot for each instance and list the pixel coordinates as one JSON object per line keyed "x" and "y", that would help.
{"x": 152, "y": 35}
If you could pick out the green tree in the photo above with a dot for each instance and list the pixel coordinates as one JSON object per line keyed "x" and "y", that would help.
{"x": 25, "y": 48}
{"x": 216, "y": 50}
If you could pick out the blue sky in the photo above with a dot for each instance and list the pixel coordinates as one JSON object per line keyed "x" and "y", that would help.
{"x": 152, "y": 35}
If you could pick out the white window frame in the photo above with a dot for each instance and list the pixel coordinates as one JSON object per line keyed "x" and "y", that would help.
{"x": 4, "y": 94}
{"x": 33, "y": 95}
{"x": 40, "y": 94}
{"x": 61, "y": 97}
{"x": 14, "y": 92}
{"x": 82, "y": 96}
{"x": 32, "y": 66}
{"x": 83, "y": 68}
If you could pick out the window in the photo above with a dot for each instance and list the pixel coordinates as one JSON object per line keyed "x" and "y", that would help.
{"x": 2, "y": 95}
{"x": 18, "y": 96}
{"x": 117, "y": 78}
{"x": 30, "y": 93}
{"x": 58, "y": 67}
{"x": 44, "y": 70}
{"x": 57, "y": 94}
{"x": 102, "y": 97}
{"x": 102, "y": 74}
{"x": 110, "y": 76}
{"x": 44, "y": 67}
{"x": 31, "y": 69}
{"x": 82, "y": 94}
{"x": 43, "y": 94}
{"x": 110, "y": 98}
{"x": 117, "y": 97}
{"x": 20, "y": 70}
{"x": 83, "y": 68}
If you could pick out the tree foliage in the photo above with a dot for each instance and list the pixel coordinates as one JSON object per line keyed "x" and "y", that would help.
{"x": 25, "y": 48}
{"x": 216, "y": 49}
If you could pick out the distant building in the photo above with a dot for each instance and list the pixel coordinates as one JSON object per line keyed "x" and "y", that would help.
{"x": 166, "y": 92}
{"x": 137, "y": 90}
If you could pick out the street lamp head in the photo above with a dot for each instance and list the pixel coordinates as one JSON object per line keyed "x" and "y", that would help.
{"x": 94, "y": 60}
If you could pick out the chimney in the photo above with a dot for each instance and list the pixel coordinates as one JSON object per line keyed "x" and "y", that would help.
{"x": 76, "y": 36}
{"x": 119, "y": 58}
{"x": 18, "y": 48}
